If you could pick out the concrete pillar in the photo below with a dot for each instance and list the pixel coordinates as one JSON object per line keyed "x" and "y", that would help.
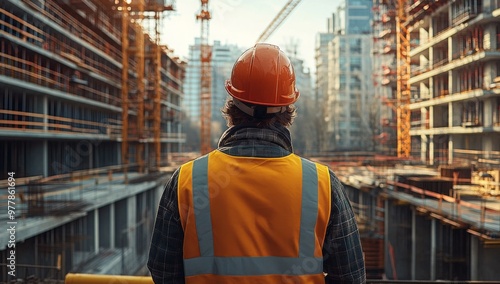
{"x": 450, "y": 137}
{"x": 489, "y": 143}
{"x": 452, "y": 45}
{"x": 474, "y": 245}
{"x": 431, "y": 58}
{"x": 96, "y": 230}
{"x": 45, "y": 158}
{"x": 119, "y": 153}
{"x": 432, "y": 267}
{"x": 103, "y": 227}
{"x": 450, "y": 115}
{"x": 488, "y": 109}
{"x": 423, "y": 147}
{"x": 45, "y": 112}
{"x": 431, "y": 25}
{"x": 490, "y": 38}
{"x": 450, "y": 149}
{"x": 179, "y": 133}
{"x": 112, "y": 226}
{"x": 431, "y": 149}
{"x": 132, "y": 221}
{"x": 431, "y": 117}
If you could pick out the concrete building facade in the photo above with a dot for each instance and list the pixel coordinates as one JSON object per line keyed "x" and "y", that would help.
{"x": 454, "y": 72}
{"x": 89, "y": 113}
{"x": 223, "y": 58}
{"x": 344, "y": 71}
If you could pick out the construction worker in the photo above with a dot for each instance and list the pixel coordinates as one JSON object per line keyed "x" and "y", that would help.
{"x": 252, "y": 211}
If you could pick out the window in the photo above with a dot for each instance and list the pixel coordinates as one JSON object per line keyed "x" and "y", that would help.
{"x": 358, "y": 12}
{"x": 472, "y": 114}
{"x": 355, "y": 63}
{"x": 355, "y": 45}
{"x": 358, "y": 26}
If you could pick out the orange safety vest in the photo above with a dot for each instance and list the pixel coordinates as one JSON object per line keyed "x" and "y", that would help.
{"x": 253, "y": 220}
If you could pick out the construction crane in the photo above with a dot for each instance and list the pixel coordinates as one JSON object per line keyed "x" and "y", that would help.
{"x": 280, "y": 17}
{"x": 206, "y": 69}
{"x": 403, "y": 92}
{"x": 206, "y": 79}
{"x": 133, "y": 14}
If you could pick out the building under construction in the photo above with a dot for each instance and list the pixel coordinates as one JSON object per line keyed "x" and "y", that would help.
{"x": 438, "y": 67}
{"x": 90, "y": 124}
{"x": 89, "y": 104}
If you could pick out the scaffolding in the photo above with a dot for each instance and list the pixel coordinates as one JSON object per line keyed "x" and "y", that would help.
{"x": 148, "y": 112}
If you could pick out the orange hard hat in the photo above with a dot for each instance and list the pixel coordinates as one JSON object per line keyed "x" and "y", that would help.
{"x": 263, "y": 75}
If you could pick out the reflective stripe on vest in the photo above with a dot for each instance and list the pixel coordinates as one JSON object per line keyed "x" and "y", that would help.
{"x": 207, "y": 263}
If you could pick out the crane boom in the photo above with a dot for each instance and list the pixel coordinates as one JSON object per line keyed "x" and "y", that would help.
{"x": 280, "y": 17}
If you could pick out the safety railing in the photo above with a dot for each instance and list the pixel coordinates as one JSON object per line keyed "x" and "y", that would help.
{"x": 454, "y": 208}
{"x": 56, "y": 14}
{"x": 75, "y": 278}
{"x": 28, "y": 32}
{"x": 28, "y": 71}
{"x": 15, "y": 120}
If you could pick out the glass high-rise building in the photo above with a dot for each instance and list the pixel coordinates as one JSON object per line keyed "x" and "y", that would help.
{"x": 223, "y": 58}
{"x": 344, "y": 81}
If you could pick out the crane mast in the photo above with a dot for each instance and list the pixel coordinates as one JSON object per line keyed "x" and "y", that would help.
{"x": 403, "y": 93}
{"x": 206, "y": 79}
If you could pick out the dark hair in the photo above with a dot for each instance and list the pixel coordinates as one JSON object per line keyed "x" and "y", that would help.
{"x": 234, "y": 116}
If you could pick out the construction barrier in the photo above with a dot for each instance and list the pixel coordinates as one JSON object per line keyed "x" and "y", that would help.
{"x": 77, "y": 278}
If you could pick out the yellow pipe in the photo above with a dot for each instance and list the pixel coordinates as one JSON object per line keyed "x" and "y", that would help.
{"x": 77, "y": 278}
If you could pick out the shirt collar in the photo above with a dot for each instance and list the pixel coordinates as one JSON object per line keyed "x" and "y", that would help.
{"x": 251, "y": 140}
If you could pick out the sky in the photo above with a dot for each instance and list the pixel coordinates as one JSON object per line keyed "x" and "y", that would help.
{"x": 241, "y": 22}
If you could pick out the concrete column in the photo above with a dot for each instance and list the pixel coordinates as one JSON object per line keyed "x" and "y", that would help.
{"x": 432, "y": 267}
{"x": 104, "y": 225}
{"x": 450, "y": 149}
{"x": 450, "y": 115}
{"x": 45, "y": 112}
{"x": 179, "y": 132}
{"x": 488, "y": 109}
{"x": 431, "y": 29}
{"x": 413, "y": 244}
{"x": 96, "y": 230}
{"x": 490, "y": 38}
{"x": 452, "y": 45}
{"x": 431, "y": 58}
{"x": 132, "y": 221}
{"x": 431, "y": 117}
{"x": 119, "y": 152}
{"x": 45, "y": 158}
{"x": 112, "y": 226}
{"x": 423, "y": 147}
{"x": 474, "y": 244}
{"x": 488, "y": 146}
{"x": 431, "y": 149}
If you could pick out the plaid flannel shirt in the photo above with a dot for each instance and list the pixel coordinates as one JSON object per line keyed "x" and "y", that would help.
{"x": 343, "y": 256}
